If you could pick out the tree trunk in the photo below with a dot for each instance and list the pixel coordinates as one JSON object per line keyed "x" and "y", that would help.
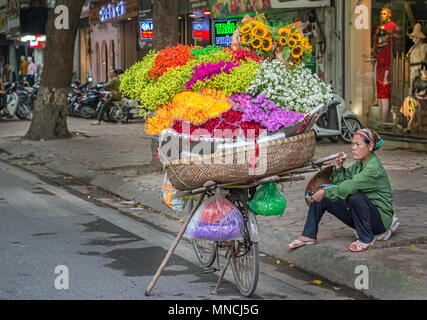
{"x": 50, "y": 108}
{"x": 166, "y": 23}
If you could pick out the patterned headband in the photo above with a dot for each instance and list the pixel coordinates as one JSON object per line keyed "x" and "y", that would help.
{"x": 371, "y": 136}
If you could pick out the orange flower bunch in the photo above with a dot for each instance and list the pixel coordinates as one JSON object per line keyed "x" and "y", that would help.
{"x": 193, "y": 107}
{"x": 170, "y": 57}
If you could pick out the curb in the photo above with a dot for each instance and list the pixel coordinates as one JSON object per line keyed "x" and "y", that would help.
{"x": 319, "y": 260}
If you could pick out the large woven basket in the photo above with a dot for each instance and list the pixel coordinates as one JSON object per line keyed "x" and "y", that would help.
{"x": 282, "y": 155}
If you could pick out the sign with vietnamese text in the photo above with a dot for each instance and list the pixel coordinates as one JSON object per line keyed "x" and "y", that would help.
{"x": 146, "y": 29}
{"x": 201, "y": 30}
{"x": 223, "y": 31}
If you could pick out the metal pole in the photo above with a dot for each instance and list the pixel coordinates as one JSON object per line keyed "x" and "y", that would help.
{"x": 174, "y": 245}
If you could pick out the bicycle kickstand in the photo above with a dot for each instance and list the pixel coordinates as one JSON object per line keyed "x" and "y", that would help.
{"x": 218, "y": 285}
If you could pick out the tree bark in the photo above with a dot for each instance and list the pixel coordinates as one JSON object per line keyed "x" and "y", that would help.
{"x": 50, "y": 108}
{"x": 166, "y": 23}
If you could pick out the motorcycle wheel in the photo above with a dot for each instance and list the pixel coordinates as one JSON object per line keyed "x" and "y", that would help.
{"x": 119, "y": 114}
{"x": 87, "y": 112}
{"x": 347, "y": 132}
{"x": 76, "y": 109}
{"x": 24, "y": 113}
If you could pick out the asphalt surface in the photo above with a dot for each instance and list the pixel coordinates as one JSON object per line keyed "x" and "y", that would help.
{"x": 57, "y": 246}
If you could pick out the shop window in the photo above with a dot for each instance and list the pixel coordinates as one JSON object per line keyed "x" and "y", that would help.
{"x": 387, "y": 54}
{"x": 112, "y": 56}
{"x": 104, "y": 62}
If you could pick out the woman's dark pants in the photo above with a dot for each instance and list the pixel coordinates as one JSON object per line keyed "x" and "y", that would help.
{"x": 357, "y": 212}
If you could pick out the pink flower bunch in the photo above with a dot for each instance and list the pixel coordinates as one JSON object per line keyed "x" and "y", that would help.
{"x": 264, "y": 112}
{"x": 206, "y": 71}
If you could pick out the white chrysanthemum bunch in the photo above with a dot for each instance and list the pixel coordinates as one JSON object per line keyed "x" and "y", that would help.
{"x": 295, "y": 88}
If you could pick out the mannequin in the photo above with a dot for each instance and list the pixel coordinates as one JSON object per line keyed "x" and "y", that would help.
{"x": 417, "y": 55}
{"x": 387, "y": 41}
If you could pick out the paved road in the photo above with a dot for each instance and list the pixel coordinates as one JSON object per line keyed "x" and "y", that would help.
{"x": 46, "y": 232}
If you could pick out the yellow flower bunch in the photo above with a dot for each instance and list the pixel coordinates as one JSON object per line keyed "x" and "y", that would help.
{"x": 295, "y": 44}
{"x": 256, "y": 35}
{"x": 194, "y": 107}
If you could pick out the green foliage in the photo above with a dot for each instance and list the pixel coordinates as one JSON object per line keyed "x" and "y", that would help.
{"x": 135, "y": 78}
{"x": 162, "y": 91}
{"x": 200, "y": 51}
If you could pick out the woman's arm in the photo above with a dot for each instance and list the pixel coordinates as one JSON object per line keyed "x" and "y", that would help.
{"x": 365, "y": 181}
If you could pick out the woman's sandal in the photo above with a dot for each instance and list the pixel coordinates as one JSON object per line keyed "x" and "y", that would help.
{"x": 299, "y": 243}
{"x": 358, "y": 246}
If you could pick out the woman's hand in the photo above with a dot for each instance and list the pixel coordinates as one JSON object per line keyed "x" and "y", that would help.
{"x": 318, "y": 196}
{"x": 339, "y": 162}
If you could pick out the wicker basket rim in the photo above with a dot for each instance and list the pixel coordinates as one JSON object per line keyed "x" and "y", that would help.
{"x": 189, "y": 160}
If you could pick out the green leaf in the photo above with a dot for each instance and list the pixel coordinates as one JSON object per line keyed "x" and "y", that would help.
{"x": 286, "y": 53}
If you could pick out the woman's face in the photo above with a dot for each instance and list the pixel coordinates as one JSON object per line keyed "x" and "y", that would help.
{"x": 361, "y": 150}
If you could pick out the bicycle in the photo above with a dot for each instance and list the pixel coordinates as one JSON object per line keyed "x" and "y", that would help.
{"x": 243, "y": 255}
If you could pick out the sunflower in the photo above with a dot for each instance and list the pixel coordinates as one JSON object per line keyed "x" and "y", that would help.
{"x": 297, "y": 62}
{"x": 246, "y": 39}
{"x": 283, "y": 41}
{"x": 267, "y": 44}
{"x": 259, "y": 32}
{"x": 305, "y": 42}
{"x": 284, "y": 31}
{"x": 257, "y": 23}
{"x": 292, "y": 42}
{"x": 297, "y": 52}
{"x": 256, "y": 43}
{"x": 269, "y": 35}
{"x": 246, "y": 28}
{"x": 296, "y": 35}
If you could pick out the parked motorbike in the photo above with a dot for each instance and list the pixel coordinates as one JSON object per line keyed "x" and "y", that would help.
{"x": 75, "y": 96}
{"x": 91, "y": 102}
{"x": 14, "y": 105}
{"x": 125, "y": 110}
{"x": 337, "y": 120}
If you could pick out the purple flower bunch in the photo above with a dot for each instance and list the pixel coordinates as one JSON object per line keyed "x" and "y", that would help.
{"x": 206, "y": 71}
{"x": 264, "y": 112}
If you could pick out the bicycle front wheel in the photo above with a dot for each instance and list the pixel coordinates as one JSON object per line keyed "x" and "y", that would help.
{"x": 245, "y": 266}
{"x": 205, "y": 252}
{"x": 245, "y": 254}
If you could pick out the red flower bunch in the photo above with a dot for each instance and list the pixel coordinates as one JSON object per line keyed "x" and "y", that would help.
{"x": 169, "y": 57}
{"x": 245, "y": 54}
{"x": 225, "y": 126}
{"x": 232, "y": 116}
{"x": 249, "y": 128}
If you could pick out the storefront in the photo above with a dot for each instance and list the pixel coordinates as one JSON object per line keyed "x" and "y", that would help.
{"x": 114, "y": 36}
{"x": 386, "y": 51}
{"x": 195, "y": 22}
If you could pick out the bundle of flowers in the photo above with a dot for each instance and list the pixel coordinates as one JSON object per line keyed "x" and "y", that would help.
{"x": 264, "y": 111}
{"x": 267, "y": 41}
{"x": 193, "y": 107}
{"x": 214, "y": 89}
{"x": 296, "y": 89}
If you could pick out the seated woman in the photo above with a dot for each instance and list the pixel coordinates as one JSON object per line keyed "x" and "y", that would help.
{"x": 361, "y": 196}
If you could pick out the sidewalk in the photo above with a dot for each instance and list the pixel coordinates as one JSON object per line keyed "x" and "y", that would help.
{"x": 116, "y": 158}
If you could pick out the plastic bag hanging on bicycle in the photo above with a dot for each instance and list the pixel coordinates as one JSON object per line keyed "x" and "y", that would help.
{"x": 268, "y": 201}
{"x": 217, "y": 220}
